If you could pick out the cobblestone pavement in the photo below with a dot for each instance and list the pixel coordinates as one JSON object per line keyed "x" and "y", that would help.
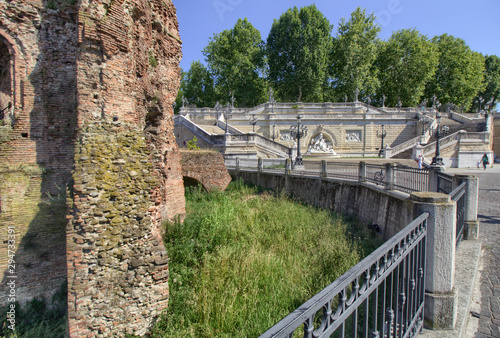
{"x": 485, "y": 305}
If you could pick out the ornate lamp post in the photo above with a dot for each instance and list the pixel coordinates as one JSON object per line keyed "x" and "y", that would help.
{"x": 382, "y": 135}
{"x": 227, "y": 111}
{"x": 439, "y": 132}
{"x": 298, "y": 132}
{"x": 253, "y": 122}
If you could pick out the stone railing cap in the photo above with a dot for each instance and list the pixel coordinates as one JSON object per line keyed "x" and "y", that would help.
{"x": 430, "y": 197}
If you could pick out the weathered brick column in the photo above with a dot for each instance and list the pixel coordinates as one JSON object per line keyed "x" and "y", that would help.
{"x": 440, "y": 293}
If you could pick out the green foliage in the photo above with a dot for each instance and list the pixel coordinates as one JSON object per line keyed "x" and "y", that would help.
{"x": 198, "y": 86}
{"x": 35, "y": 319}
{"x": 406, "y": 62}
{"x": 460, "y": 72}
{"x": 353, "y": 56}
{"x": 192, "y": 144}
{"x": 242, "y": 261}
{"x": 297, "y": 50}
{"x": 491, "y": 82}
{"x": 153, "y": 62}
{"x": 236, "y": 60}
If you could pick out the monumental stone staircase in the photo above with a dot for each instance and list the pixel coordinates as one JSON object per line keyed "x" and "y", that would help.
{"x": 251, "y": 145}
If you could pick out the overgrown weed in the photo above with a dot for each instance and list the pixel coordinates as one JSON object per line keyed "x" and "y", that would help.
{"x": 240, "y": 263}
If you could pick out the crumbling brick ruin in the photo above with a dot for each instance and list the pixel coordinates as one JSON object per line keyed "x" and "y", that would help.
{"x": 89, "y": 165}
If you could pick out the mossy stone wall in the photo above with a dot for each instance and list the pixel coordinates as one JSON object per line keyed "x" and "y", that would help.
{"x": 117, "y": 264}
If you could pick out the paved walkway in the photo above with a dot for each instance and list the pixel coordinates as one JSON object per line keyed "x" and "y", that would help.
{"x": 484, "y": 320}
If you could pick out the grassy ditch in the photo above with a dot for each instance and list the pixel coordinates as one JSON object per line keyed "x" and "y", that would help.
{"x": 243, "y": 259}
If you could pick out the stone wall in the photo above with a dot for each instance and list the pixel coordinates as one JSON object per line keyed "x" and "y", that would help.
{"x": 36, "y": 141}
{"x": 71, "y": 66}
{"x": 117, "y": 264}
{"x": 206, "y": 167}
{"x": 391, "y": 211}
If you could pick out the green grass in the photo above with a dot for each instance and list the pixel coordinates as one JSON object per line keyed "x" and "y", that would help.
{"x": 243, "y": 260}
{"x": 36, "y": 319}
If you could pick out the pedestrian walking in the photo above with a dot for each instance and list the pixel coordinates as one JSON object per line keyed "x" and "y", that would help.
{"x": 485, "y": 161}
{"x": 420, "y": 161}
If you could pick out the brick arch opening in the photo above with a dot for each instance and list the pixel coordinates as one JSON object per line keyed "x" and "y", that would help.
{"x": 6, "y": 72}
{"x": 192, "y": 182}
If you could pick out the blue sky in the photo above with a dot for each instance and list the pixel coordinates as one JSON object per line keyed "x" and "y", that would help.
{"x": 475, "y": 21}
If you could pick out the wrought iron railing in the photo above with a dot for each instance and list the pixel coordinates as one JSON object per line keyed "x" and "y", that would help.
{"x": 409, "y": 180}
{"x": 311, "y": 168}
{"x": 274, "y": 165}
{"x": 444, "y": 183}
{"x": 458, "y": 195}
{"x": 375, "y": 173}
{"x": 405, "y": 179}
{"x": 344, "y": 170}
{"x": 382, "y": 296}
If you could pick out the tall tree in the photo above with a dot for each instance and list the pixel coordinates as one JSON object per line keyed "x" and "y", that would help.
{"x": 406, "y": 62}
{"x": 460, "y": 72}
{"x": 491, "y": 93}
{"x": 353, "y": 56}
{"x": 235, "y": 58}
{"x": 297, "y": 50}
{"x": 198, "y": 86}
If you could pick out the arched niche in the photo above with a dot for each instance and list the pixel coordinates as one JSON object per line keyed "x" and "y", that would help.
{"x": 8, "y": 84}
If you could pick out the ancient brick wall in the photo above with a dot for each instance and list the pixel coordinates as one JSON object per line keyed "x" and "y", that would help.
{"x": 206, "y": 167}
{"x": 67, "y": 66}
{"x": 128, "y": 68}
{"x": 117, "y": 264}
{"x": 38, "y": 51}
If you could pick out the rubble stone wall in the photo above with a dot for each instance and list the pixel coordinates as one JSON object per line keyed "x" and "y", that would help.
{"x": 117, "y": 264}
{"x": 71, "y": 68}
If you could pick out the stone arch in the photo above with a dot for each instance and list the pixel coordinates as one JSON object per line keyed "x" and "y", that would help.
{"x": 9, "y": 80}
{"x": 329, "y": 145}
{"x": 192, "y": 182}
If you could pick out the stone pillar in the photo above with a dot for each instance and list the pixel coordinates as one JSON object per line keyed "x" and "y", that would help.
{"x": 323, "y": 168}
{"x": 260, "y": 165}
{"x": 237, "y": 165}
{"x": 362, "y": 171}
{"x": 387, "y": 152}
{"x": 471, "y": 230}
{"x": 418, "y": 149}
{"x": 389, "y": 176}
{"x": 440, "y": 294}
{"x": 288, "y": 166}
{"x": 433, "y": 180}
